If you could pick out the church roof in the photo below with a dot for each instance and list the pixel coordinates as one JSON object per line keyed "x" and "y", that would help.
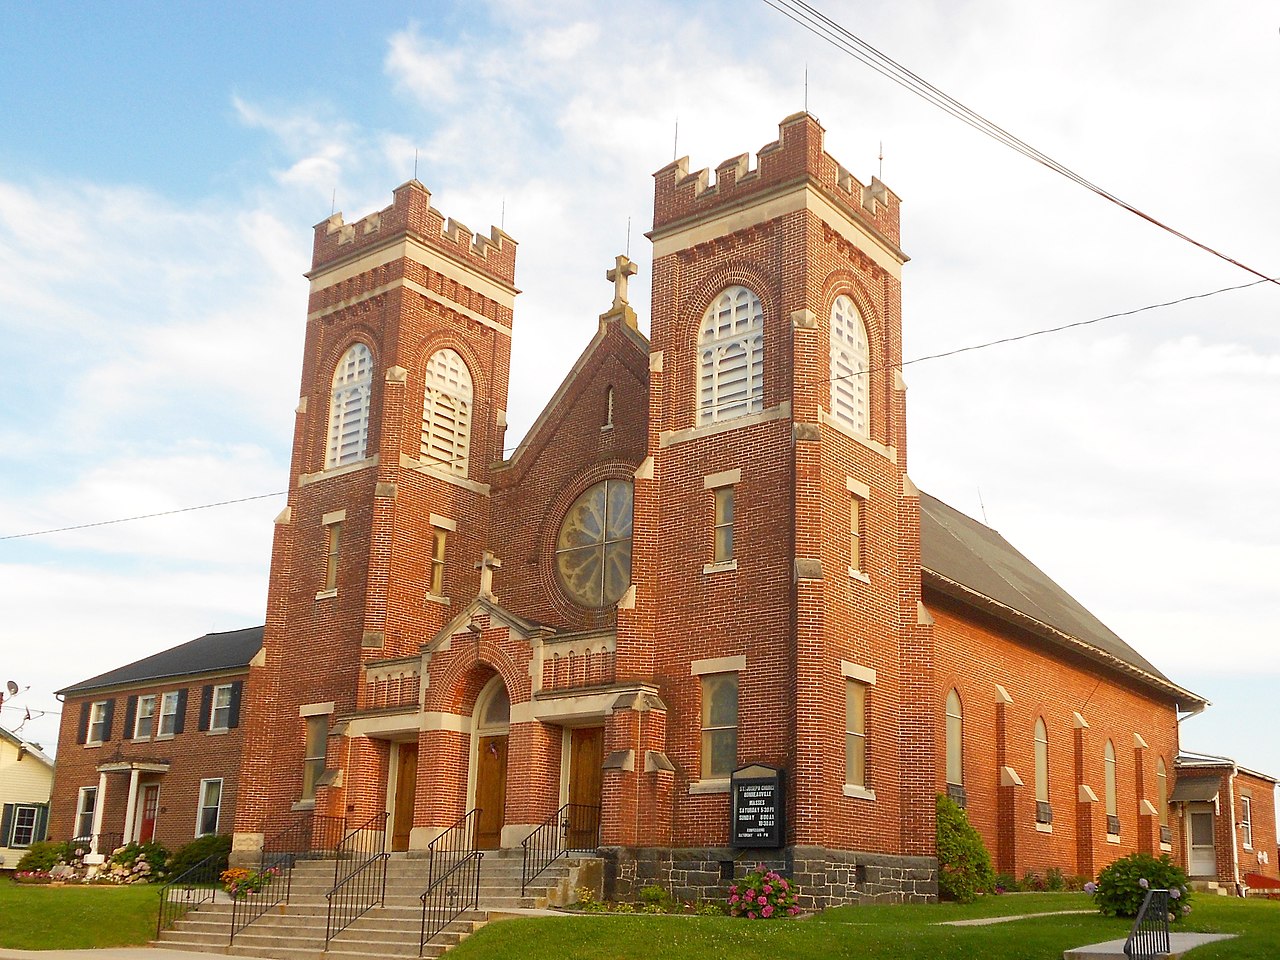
{"x": 212, "y": 653}
{"x": 973, "y": 563}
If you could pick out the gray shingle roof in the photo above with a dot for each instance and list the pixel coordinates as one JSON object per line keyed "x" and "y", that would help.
{"x": 962, "y": 551}
{"x": 214, "y": 652}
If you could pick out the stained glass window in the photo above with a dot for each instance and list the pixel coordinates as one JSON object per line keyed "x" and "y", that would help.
{"x": 593, "y": 554}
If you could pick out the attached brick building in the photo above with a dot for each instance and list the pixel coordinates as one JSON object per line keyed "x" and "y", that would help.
{"x": 706, "y": 554}
{"x": 152, "y": 750}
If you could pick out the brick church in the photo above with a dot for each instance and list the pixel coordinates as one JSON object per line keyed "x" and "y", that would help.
{"x": 707, "y": 553}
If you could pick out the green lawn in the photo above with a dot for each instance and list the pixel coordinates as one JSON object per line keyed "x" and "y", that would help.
{"x": 868, "y": 933}
{"x": 62, "y": 918}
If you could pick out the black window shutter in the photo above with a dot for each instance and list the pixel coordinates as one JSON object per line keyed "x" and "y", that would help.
{"x": 107, "y": 718}
{"x": 82, "y": 731}
{"x": 42, "y": 823}
{"x": 6, "y": 824}
{"x": 130, "y": 713}
{"x": 180, "y": 718}
{"x": 233, "y": 720}
{"x": 206, "y": 704}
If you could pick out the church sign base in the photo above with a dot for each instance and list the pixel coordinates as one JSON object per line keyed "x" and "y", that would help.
{"x": 823, "y": 877}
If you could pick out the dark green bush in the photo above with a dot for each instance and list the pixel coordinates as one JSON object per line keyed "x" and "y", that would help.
{"x": 43, "y": 856}
{"x": 1123, "y": 885}
{"x": 1055, "y": 880}
{"x": 195, "y": 851}
{"x": 1005, "y": 883}
{"x": 964, "y": 866}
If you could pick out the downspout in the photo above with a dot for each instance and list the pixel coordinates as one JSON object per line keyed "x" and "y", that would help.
{"x": 1235, "y": 846}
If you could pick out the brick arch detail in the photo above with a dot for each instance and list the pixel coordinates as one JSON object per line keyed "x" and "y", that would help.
{"x": 845, "y": 282}
{"x": 458, "y": 683}
{"x": 432, "y": 344}
{"x": 733, "y": 273}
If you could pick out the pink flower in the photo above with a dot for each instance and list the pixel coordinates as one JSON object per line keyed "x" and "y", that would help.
{"x": 783, "y": 884}
{"x": 734, "y": 888}
{"x": 793, "y": 910}
{"x": 734, "y": 898}
{"x": 767, "y": 911}
{"x": 751, "y": 914}
{"x": 768, "y": 888}
{"x": 750, "y": 896}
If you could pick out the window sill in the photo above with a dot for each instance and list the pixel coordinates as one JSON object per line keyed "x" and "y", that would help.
{"x": 146, "y": 739}
{"x": 165, "y": 736}
{"x": 858, "y": 793}
{"x": 304, "y": 805}
{"x": 856, "y": 574}
{"x": 1113, "y": 838}
{"x": 1044, "y": 828}
{"x": 338, "y": 471}
{"x": 327, "y": 594}
{"x": 436, "y": 598}
{"x": 722, "y": 566}
{"x": 1247, "y": 846}
{"x": 1166, "y": 848}
{"x": 697, "y": 787}
{"x": 218, "y": 731}
{"x": 93, "y": 746}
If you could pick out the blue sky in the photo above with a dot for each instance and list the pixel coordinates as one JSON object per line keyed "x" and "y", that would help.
{"x": 161, "y": 166}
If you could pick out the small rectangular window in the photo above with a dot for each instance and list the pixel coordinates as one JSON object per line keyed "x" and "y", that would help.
{"x": 145, "y": 723}
{"x": 1246, "y": 822}
{"x": 84, "y": 811}
{"x": 210, "y": 807}
{"x": 169, "y": 714}
{"x": 334, "y": 549}
{"x": 722, "y": 550}
{"x": 855, "y": 735}
{"x": 23, "y": 831}
{"x": 317, "y": 740}
{"x": 437, "y": 561}
{"x": 719, "y": 725}
{"x": 856, "y": 548}
{"x": 220, "y": 713}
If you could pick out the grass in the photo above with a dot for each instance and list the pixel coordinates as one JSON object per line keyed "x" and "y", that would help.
{"x": 34, "y": 917}
{"x": 897, "y": 932}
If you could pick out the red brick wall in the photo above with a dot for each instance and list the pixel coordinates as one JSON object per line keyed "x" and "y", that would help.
{"x": 974, "y": 653}
{"x": 193, "y": 756}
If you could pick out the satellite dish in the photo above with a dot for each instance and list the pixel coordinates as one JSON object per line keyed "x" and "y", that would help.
{"x": 12, "y": 687}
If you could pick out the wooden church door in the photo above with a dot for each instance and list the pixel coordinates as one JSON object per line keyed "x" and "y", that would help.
{"x": 491, "y": 791}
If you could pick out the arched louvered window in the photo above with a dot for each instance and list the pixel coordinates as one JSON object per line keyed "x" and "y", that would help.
{"x": 1109, "y": 781}
{"x": 731, "y": 357}
{"x": 349, "y": 407}
{"x": 446, "y": 411}
{"x": 1042, "y": 761}
{"x": 955, "y": 740}
{"x": 850, "y": 363}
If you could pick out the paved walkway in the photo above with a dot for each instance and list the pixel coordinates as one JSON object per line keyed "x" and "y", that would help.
{"x": 1179, "y": 943}
{"x": 987, "y": 921}
{"x": 110, "y": 953}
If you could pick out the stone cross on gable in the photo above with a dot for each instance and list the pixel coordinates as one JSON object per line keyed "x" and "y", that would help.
{"x": 486, "y": 565}
{"x": 624, "y": 267}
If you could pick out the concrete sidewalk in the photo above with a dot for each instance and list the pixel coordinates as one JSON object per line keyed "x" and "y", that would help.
{"x": 1179, "y": 943}
{"x": 111, "y": 953}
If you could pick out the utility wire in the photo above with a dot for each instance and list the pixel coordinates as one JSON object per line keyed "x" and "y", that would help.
{"x": 842, "y": 39}
{"x": 143, "y": 516}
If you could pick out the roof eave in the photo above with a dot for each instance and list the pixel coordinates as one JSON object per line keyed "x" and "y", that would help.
{"x": 1185, "y": 698}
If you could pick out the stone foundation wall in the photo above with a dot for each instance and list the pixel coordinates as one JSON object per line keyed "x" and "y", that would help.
{"x": 823, "y": 878}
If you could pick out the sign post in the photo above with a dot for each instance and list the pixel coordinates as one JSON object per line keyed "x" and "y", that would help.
{"x": 758, "y": 807}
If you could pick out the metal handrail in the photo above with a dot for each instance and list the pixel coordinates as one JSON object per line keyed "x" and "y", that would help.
{"x": 1149, "y": 937}
{"x": 454, "y": 844}
{"x": 555, "y": 837}
{"x": 355, "y": 894}
{"x": 446, "y": 898}
{"x": 196, "y": 886}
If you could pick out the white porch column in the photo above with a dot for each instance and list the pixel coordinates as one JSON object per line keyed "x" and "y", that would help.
{"x": 99, "y": 805}
{"x": 131, "y": 807}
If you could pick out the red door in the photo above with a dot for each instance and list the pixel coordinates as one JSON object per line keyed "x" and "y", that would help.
{"x": 150, "y": 806}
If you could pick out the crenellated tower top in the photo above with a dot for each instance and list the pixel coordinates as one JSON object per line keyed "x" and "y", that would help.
{"x": 411, "y": 214}
{"x": 797, "y": 155}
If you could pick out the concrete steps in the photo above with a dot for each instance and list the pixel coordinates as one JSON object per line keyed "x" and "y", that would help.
{"x": 295, "y": 931}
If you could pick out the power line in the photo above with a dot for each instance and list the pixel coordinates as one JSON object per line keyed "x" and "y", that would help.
{"x": 142, "y": 516}
{"x": 842, "y": 39}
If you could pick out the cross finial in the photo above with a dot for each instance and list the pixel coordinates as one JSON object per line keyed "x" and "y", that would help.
{"x": 486, "y": 565}
{"x": 624, "y": 267}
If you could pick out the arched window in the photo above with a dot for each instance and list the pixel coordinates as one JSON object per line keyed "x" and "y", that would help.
{"x": 850, "y": 362}
{"x": 731, "y": 357}
{"x": 1109, "y": 773}
{"x": 593, "y": 552}
{"x": 446, "y": 411}
{"x": 1043, "y": 813}
{"x": 349, "y": 407}
{"x": 955, "y": 740}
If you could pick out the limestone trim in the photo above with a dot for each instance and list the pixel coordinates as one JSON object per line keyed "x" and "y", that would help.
{"x": 725, "y": 478}
{"x": 1138, "y": 742}
{"x": 433, "y": 470}
{"x": 565, "y": 709}
{"x": 1009, "y": 777}
{"x": 890, "y": 453}
{"x": 365, "y": 464}
{"x": 669, "y": 438}
{"x": 334, "y": 516}
{"x": 1086, "y": 794}
{"x": 697, "y": 787}
{"x": 444, "y": 523}
{"x": 1044, "y": 828}
{"x": 858, "y": 793}
{"x": 1002, "y": 695}
{"x": 780, "y": 202}
{"x": 724, "y": 566}
{"x": 1148, "y": 809}
{"x": 408, "y": 248}
{"x": 315, "y": 709}
{"x": 857, "y": 488}
{"x": 327, "y": 594}
{"x": 1078, "y": 721}
{"x": 383, "y": 726}
{"x": 717, "y": 665}
{"x": 855, "y": 671}
{"x": 453, "y": 722}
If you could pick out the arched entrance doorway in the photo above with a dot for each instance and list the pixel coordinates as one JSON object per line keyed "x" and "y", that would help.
{"x": 492, "y": 724}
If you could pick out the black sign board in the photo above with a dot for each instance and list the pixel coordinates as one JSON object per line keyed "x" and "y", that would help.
{"x": 758, "y": 807}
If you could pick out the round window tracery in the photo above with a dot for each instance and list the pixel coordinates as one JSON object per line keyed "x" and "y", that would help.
{"x": 593, "y": 552}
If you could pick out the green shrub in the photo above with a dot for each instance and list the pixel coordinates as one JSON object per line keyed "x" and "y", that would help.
{"x": 195, "y": 851}
{"x": 43, "y": 856}
{"x": 1005, "y": 883}
{"x": 1055, "y": 880}
{"x": 1123, "y": 885}
{"x": 1033, "y": 882}
{"x": 964, "y": 866}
